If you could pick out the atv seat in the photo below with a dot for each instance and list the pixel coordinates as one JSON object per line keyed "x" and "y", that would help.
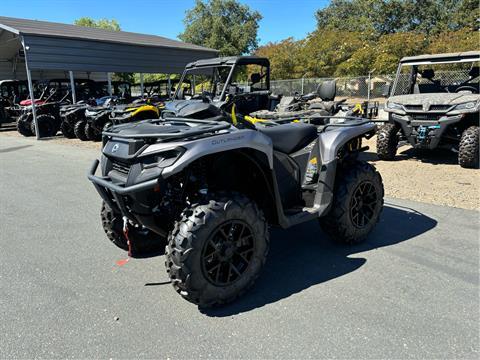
{"x": 288, "y": 138}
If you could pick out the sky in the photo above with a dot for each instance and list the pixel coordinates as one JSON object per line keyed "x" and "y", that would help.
{"x": 281, "y": 18}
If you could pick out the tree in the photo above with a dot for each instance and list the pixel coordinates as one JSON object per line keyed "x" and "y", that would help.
{"x": 107, "y": 24}
{"x": 285, "y": 58}
{"x": 379, "y": 17}
{"x": 225, "y": 25}
{"x": 324, "y": 50}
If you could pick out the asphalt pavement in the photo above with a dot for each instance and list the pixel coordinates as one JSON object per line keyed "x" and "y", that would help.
{"x": 411, "y": 291}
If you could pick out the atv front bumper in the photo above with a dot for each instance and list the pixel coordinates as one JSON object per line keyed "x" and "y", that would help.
{"x": 425, "y": 134}
{"x": 119, "y": 198}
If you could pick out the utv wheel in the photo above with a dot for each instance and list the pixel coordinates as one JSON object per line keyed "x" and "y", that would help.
{"x": 387, "y": 142}
{"x": 24, "y": 125}
{"x": 79, "y": 130}
{"x": 468, "y": 151}
{"x": 144, "y": 242}
{"x": 357, "y": 204}
{"x": 67, "y": 130}
{"x": 46, "y": 125}
{"x": 217, "y": 249}
{"x": 91, "y": 133}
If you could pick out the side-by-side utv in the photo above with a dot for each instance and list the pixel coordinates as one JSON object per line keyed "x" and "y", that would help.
{"x": 435, "y": 103}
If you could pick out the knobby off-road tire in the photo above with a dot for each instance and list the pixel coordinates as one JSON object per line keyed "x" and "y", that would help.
{"x": 79, "y": 130}
{"x": 387, "y": 142}
{"x": 46, "y": 125}
{"x": 357, "y": 204}
{"x": 468, "y": 150}
{"x": 67, "y": 130}
{"x": 24, "y": 125}
{"x": 217, "y": 249}
{"x": 144, "y": 242}
{"x": 91, "y": 133}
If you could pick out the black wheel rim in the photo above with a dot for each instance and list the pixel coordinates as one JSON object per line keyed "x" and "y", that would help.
{"x": 363, "y": 204}
{"x": 228, "y": 253}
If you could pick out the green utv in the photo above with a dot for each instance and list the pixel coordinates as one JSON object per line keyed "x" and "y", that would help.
{"x": 434, "y": 103}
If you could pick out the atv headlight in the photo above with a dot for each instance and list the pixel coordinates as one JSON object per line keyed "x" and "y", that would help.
{"x": 466, "y": 106}
{"x": 164, "y": 159}
{"x": 394, "y": 106}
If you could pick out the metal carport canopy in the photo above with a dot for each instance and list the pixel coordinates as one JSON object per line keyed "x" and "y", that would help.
{"x": 56, "y": 46}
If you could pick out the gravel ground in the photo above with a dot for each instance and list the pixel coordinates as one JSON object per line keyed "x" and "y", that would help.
{"x": 433, "y": 177}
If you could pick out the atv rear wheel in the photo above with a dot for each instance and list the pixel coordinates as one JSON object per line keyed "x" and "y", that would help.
{"x": 217, "y": 249}
{"x": 67, "y": 130}
{"x": 79, "y": 130}
{"x": 24, "y": 125}
{"x": 468, "y": 151}
{"x": 91, "y": 133}
{"x": 144, "y": 242}
{"x": 357, "y": 204}
{"x": 46, "y": 125}
{"x": 387, "y": 142}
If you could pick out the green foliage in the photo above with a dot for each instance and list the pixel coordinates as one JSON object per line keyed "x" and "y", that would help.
{"x": 355, "y": 37}
{"x": 225, "y": 25}
{"x": 106, "y": 24}
{"x": 378, "y": 17}
{"x": 285, "y": 58}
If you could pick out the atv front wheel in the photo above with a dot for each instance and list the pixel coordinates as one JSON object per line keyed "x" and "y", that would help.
{"x": 67, "y": 130}
{"x": 468, "y": 151}
{"x": 357, "y": 204}
{"x": 217, "y": 249}
{"x": 24, "y": 125}
{"x": 46, "y": 125}
{"x": 144, "y": 242}
{"x": 91, "y": 133}
{"x": 387, "y": 142}
{"x": 79, "y": 130}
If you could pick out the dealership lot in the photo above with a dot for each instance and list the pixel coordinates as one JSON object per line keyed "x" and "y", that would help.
{"x": 410, "y": 291}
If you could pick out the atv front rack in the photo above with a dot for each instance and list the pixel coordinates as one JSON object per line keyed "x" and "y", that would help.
{"x": 205, "y": 126}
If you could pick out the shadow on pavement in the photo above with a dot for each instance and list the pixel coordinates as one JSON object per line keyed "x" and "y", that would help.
{"x": 14, "y": 148}
{"x": 303, "y": 256}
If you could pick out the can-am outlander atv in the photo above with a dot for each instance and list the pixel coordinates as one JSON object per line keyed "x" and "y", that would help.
{"x": 209, "y": 189}
{"x": 434, "y": 103}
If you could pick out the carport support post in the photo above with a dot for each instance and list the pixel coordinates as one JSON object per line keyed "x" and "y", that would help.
{"x": 30, "y": 90}
{"x": 169, "y": 92}
{"x": 142, "y": 90}
{"x": 109, "y": 81}
{"x": 72, "y": 87}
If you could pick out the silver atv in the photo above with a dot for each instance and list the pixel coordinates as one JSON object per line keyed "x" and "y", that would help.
{"x": 435, "y": 103}
{"x": 205, "y": 193}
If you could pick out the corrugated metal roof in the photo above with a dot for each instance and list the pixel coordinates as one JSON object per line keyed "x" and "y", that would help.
{"x": 45, "y": 28}
{"x": 441, "y": 56}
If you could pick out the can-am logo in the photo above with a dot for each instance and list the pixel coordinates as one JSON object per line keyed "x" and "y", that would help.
{"x": 115, "y": 148}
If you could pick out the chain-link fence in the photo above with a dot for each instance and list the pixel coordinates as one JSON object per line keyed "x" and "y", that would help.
{"x": 360, "y": 87}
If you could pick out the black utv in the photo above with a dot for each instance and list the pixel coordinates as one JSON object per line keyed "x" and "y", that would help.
{"x": 206, "y": 86}
{"x": 434, "y": 103}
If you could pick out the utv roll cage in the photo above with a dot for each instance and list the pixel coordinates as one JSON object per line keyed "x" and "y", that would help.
{"x": 233, "y": 62}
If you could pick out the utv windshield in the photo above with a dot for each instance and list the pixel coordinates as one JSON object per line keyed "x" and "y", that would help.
{"x": 439, "y": 77}
{"x": 209, "y": 80}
